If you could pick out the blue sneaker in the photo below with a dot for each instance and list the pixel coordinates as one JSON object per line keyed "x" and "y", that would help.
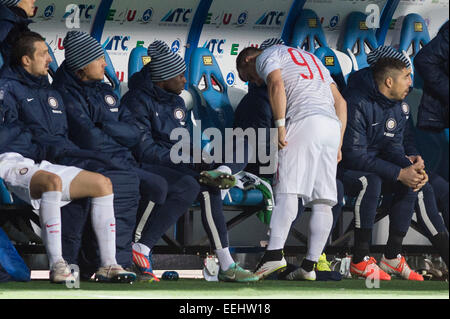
{"x": 144, "y": 264}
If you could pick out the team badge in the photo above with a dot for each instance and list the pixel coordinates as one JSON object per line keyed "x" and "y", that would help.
{"x": 110, "y": 100}
{"x": 53, "y": 102}
{"x": 391, "y": 124}
{"x": 179, "y": 114}
{"x": 405, "y": 108}
{"x": 23, "y": 171}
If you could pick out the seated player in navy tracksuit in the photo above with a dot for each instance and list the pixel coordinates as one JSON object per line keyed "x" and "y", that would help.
{"x": 375, "y": 163}
{"x": 254, "y": 111}
{"x": 14, "y": 19}
{"x": 37, "y": 112}
{"x": 154, "y": 100}
{"x": 432, "y": 199}
{"x": 432, "y": 63}
{"x": 98, "y": 122}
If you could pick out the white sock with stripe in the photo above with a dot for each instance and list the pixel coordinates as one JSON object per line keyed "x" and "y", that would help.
{"x": 104, "y": 225}
{"x": 50, "y": 219}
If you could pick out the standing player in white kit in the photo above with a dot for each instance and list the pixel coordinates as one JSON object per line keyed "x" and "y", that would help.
{"x": 47, "y": 187}
{"x": 311, "y": 117}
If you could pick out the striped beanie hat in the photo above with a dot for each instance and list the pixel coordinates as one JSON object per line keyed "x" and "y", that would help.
{"x": 386, "y": 52}
{"x": 164, "y": 63}
{"x": 81, "y": 49}
{"x": 269, "y": 42}
{"x": 9, "y": 3}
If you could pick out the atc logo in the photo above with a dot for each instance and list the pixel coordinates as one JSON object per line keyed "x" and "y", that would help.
{"x": 147, "y": 16}
{"x": 231, "y": 79}
{"x": 175, "y": 15}
{"x": 49, "y": 11}
{"x": 270, "y": 18}
{"x": 175, "y": 47}
{"x": 242, "y": 19}
{"x": 116, "y": 43}
{"x": 211, "y": 45}
{"x": 334, "y": 21}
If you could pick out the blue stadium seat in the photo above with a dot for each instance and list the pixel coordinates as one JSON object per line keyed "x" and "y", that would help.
{"x": 357, "y": 39}
{"x": 308, "y": 33}
{"x": 413, "y": 36}
{"x": 5, "y": 195}
{"x": 207, "y": 85}
{"x": 1, "y": 60}
{"x": 330, "y": 60}
{"x": 111, "y": 75}
{"x": 214, "y": 109}
{"x": 138, "y": 58}
{"x": 53, "y": 65}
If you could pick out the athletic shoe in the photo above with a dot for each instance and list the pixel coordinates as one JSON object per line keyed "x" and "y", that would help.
{"x": 323, "y": 264}
{"x": 144, "y": 264}
{"x": 217, "y": 179}
{"x": 301, "y": 274}
{"x": 265, "y": 268}
{"x": 367, "y": 267}
{"x": 140, "y": 276}
{"x": 237, "y": 274}
{"x": 114, "y": 274}
{"x": 398, "y": 266}
{"x": 61, "y": 273}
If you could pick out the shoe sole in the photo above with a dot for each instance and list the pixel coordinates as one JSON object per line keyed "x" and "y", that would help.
{"x": 120, "y": 279}
{"x": 223, "y": 181}
{"x": 240, "y": 280}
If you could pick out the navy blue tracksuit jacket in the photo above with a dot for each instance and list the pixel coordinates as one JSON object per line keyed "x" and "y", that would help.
{"x": 13, "y": 21}
{"x": 157, "y": 113}
{"x": 97, "y": 122}
{"x": 31, "y": 105}
{"x": 373, "y": 152}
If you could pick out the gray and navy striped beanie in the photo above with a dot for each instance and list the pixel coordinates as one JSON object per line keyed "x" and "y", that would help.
{"x": 164, "y": 63}
{"x": 81, "y": 49}
{"x": 269, "y": 42}
{"x": 387, "y": 52}
{"x": 9, "y": 3}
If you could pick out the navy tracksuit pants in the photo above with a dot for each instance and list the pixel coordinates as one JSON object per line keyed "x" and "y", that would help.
{"x": 155, "y": 218}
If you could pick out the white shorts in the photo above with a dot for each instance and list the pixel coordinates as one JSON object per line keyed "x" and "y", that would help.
{"x": 307, "y": 165}
{"x": 17, "y": 172}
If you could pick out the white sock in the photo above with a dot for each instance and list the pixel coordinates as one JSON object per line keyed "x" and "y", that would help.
{"x": 225, "y": 259}
{"x": 141, "y": 248}
{"x": 320, "y": 225}
{"x": 104, "y": 224}
{"x": 283, "y": 214}
{"x": 50, "y": 218}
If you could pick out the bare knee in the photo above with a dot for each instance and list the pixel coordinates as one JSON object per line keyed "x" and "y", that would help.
{"x": 104, "y": 185}
{"x": 43, "y": 182}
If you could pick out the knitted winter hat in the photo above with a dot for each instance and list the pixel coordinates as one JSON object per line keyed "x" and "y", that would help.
{"x": 386, "y": 52}
{"x": 269, "y": 42}
{"x": 81, "y": 49}
{"x": 164, "y": 63}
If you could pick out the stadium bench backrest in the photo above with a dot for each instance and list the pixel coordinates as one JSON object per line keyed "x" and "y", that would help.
{"x": 138, "y": 58}
{"x": 357, "y": 40}
{"x": 111, "y": 75}
{"x": 331, "y": 62}
{"x": 53, "y": 66}
{"x": 308, "y": 33}
{"x": 413, "y": 36}
{"x": 209, "y": 90}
